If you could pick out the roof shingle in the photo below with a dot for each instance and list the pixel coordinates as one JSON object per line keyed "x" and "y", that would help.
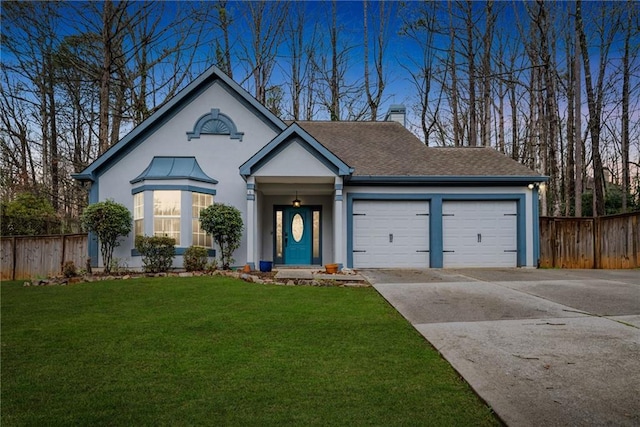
{"x": 389, "y": 149}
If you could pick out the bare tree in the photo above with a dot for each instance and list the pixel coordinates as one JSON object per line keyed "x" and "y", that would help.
{"x": 223, "y": 52}
{"x": 470, "y": 56}
{"x": 454, "y": 97}
{"x": 29, "y": 35}
{"x": 579, "y": 147}
{"x": 570, "y": 168}
{"x": 263, "y": 19}
{"x": 631, "y": 30}
{"x": 18, "y": 168}
{"x": 423, "y": 28}
{"x": 341, "y": 98}
{"x": 375, "y": 92}
{"x": 607, "y": 28}
{"x": 301, "y": 44}
{"x": 487, "y": 75}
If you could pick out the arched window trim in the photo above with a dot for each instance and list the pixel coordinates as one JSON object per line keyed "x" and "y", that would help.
{"x": 215, "y": 123}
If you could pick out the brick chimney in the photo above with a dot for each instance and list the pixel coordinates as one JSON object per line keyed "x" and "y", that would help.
{"x": 397, "y": 113}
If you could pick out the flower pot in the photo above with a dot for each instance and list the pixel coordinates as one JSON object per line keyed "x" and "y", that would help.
{"x": 266, "y": 266}
{"x": 331, "y": 268}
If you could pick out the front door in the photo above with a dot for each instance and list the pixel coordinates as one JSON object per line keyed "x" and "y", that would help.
{"x": 297, "y": 235}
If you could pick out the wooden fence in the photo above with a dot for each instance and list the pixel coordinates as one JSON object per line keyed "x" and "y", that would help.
{"x": 602, "y": 242}
{"x": 26, "y": 257}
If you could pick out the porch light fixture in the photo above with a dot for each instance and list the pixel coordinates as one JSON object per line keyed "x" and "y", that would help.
{"x": 539, "y": 185}
{"x": 296, "y": 202}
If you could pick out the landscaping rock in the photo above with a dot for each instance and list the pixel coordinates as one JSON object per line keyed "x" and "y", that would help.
{"x": 356, "y": 285}
{"x": 185, "y": 274}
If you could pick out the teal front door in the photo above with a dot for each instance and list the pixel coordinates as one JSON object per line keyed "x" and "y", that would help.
{"x": 297, "y": 235}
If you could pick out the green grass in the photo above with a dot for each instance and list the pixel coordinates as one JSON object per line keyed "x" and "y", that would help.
{"x": 217, "y": 351}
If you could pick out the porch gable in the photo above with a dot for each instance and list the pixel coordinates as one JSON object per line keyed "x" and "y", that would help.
{"x": 294, "y": 152}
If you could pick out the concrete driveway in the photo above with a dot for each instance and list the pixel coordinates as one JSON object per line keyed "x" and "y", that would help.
{"x": 541, "y": 347}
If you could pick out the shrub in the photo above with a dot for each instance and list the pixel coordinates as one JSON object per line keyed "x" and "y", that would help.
{"x": 211, "y": 266}
{"x": 195, "y": 258}
{"x": 224, "y": 223}
{"x": 69, "y": 269}
{"x": 108, "y": 220}
{"x": 157, "y": 252}
{"x": 28, "y": 214}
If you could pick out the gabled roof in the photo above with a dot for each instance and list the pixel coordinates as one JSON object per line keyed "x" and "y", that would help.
{"x": 387, "y": 151}
{"x": 175, "y": 104}
{"x": 292, "y": 133}
{"x": 162, "y": 168}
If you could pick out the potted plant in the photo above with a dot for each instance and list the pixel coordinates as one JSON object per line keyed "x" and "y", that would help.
{"x": 331, "y": 268}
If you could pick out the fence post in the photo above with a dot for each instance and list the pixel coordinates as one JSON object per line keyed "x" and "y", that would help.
{"x": 597, "y": 242}
{"x": 62, "y": 258}
{"x": 14, "y": 260}
{"x": 554, "y": 242}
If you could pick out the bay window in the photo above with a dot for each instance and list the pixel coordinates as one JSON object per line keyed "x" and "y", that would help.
{"x": 138, "y": 214}
{"x": 199, "y": 237}
{"x": 166, "y": 214}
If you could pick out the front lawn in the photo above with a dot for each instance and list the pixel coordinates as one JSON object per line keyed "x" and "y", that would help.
{"x": 218, "y": 351}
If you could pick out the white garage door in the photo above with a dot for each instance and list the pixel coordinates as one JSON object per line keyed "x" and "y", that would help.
{"x": 390, "y": 234}
{"x": 479, "y": 234}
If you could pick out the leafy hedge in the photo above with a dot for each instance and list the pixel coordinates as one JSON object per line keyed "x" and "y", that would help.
{"x": 195, "y": 258}
{"x": 157, "y": 252}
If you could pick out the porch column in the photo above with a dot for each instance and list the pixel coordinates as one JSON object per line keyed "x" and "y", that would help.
{"x": 338, "y": 238}
{"x": 251, "y": 222}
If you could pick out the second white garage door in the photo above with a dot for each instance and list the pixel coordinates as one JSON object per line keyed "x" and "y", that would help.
{"x": 390, "y": 234}
{"x": 479, "y": 234}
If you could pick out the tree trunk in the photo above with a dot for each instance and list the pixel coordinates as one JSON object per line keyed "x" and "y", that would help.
{"x": 569, "y": 175}
{"x": 473, "y": 120}
{"x": 105, "y": 76}
{"x": 487, "y": 42}
{"x": 454, "y": 82}
{"x": 579, "y": 157}
{"x": 594, "y": 103}
{"x": 625, "y": 120}
{"x": 334, "y": 86}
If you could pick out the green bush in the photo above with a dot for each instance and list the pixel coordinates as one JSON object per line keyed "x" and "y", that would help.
{"x": 195, "y": 258}
{"x": 224, "y": 224}
{"x": 28, "y": 214}
{"x": 69, "y": 269}
{"x": 157, "y": 252}
{"x": 109, "y": 221}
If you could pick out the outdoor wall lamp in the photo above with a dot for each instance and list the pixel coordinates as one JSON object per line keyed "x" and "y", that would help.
{"x": 296, "y": 202}
{"x": 541, "y": 185}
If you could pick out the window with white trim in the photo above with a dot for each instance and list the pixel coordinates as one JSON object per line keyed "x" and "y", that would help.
{"x": 199, "y": 237}
{"x": 166, "y": 214}
{"x": 138, "y": 214}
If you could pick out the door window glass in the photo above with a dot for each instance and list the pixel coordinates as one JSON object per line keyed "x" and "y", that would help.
{"x": 279, "y": 247}
{"x": 316, "y": 234}
{"x": 297, "y": 227}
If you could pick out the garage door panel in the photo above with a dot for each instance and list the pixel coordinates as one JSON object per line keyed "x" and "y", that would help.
{"x": 480, "y": 234}
{"x": 391, "y": 234}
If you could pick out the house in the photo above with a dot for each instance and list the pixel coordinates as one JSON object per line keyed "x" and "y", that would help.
{"x": 359, "y": 194}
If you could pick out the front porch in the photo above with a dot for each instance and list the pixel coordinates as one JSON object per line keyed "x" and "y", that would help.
{"x": 294, "y": 166}
{"x": 294, "y": 221}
